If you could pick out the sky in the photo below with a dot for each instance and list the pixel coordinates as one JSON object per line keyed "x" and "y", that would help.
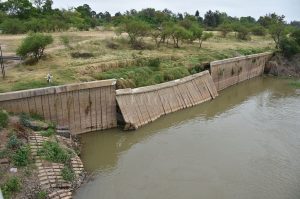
{"x": 238, "y": 8}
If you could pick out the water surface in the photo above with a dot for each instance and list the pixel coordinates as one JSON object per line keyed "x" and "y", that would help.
{"x": 245, "y": 144}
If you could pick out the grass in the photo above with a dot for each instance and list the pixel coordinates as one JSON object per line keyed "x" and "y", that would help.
{"x": 53, "y": 152}
{"x": 66, "y": 69}
{"x": 3, "y": 119}
{"x": 295, "y": 84}
{"x": 11, "y": 186}
{"x": 21, "y": 157}
{"x": 68, "y": 174}
{"x": 49, "y": 132}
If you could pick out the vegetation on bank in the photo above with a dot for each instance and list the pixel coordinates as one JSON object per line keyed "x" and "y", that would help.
{"x": 18, "y": 173}
{"x": 182, "y": 43}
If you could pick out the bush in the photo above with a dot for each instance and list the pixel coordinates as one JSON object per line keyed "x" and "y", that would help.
{"x": 154, "y": 63}
{"x": 10, "y": 187}
{"x": 13, "y": 26}
{"x": 259, "y": 31}
{"x": 68, "y": 174}
{"x": 289, "y": 47}
{"x": 296, "y": 36}
{"x": 84, "y": 55}
{"x": 53, "y": 152}
{"x": 49, "y": 132}
{"x": 34, "y": 45}
{"x": 13, "y": 142}
{"x": 3, "y": 119}
{"x": 21, "y": 157}
{"x": 243, "y": 33}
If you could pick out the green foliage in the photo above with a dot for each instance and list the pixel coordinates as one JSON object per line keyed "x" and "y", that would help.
{"x": 296, "y": 36}
{"x": 41, "y": 195}
{"x": 49, "y": 132}
{"x": 29, "y": 84}
{"x": 205, "y": 37}
{"x": 136, "y": 30}
{"x": 3, "y": 119}
{"x": 21, "y": 157}
{"x": 53, "y": 152}
{"x": 277, "y": 32}
{"x": 13, "y": 142}
{"x": 225, "y": 29}
{"x": 12, "y": 26}
{"x": 34, "y": 45}
{"x": 289, "y": 47}
{"x": 10, "y": 187}
{"x": 68, "y": 174}
{"x": 175, "y": 73}
{"x": 243, "y": 33}
{"x": 154, "y": 63}
{"x": 259, "y": 31}
{"x": 295, "y": 84}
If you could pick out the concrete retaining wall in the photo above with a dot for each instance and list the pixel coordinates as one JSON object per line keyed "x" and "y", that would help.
{"x": 143, "y": 105}
{"x": 231, "y": 71}
{"x": 81, "y": 107}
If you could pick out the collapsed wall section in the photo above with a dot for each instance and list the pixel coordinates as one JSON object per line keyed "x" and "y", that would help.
{"x": 143, "y": 105}
{"x": 81, "y": 107}
{"x": 231, "y": 71}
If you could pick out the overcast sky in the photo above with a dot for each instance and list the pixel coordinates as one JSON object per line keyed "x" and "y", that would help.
{"x": 255, "y": 8}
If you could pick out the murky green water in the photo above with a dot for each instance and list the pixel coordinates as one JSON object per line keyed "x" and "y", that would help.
{"x": 243, "y": 145}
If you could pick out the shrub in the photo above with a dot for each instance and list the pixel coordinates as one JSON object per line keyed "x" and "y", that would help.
{"x": 3, "y": 119}
{"x": 296, "y": 36}
{"x": 12, "y": 26}
{"x": 243, "y": 33}
{"x": 21, "y": 157}
{"x": 289, "y": 47}
{"x": 136, "y": 30}
{"x": 13, "y": 142}
{"x": 53, "y": 152}
{"x": 154, "y": 63}
{"x": 34, "y": 45}
{"x": 68, "y": 174}
{"x": 225, "y": 29}
{"x": 48, "y": 132}
{"x": 41, "y": 195}
{"x": 10, "y": 187}
{"x": 259, "y": 31}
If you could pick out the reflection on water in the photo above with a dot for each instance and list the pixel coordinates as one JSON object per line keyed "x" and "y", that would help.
{"x": 243, "y": 144}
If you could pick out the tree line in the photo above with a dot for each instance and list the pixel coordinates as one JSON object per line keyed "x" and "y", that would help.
{"x": 164, "y": 26}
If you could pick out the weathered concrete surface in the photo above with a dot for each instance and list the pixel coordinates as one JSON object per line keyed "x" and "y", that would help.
{"x": 81, "y": 107}
{"x": 231, "y": 71}
{"x": 143, "y": 105}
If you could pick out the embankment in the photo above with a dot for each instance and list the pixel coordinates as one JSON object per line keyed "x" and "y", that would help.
{"x": 92, "y": 106}
{"x": 81, "y": 107}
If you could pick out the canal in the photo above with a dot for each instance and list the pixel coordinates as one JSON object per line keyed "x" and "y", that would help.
{"x": 245, "y": 144}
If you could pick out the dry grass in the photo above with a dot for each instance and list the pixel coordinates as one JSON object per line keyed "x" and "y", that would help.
{"x": 66, "y": 69}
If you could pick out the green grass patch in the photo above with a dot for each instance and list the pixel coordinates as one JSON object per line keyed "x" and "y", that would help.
{"x": 295, "y": 84}
{"x": 53, "y": 152}
{"x": 3, "y": 119}
{"x": 21, "y": 157}
{"x": 30, "y": 84}
{"x": 10, "y": 187}
{"x": 68, "y": 174}
{"x": 49, "y": 132}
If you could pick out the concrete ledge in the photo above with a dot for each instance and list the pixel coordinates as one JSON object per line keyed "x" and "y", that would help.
{"x": 224, "y": 61}
{"x": 55, "y": 89}
{"x": 156, "y": 87}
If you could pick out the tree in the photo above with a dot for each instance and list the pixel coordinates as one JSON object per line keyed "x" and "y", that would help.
{"x": 34, "y": 45}
{"x": 179, "y": 33}
{"x": 205, "y": 36}
{"x": 136, "y": 30}
{"x": 225, "y": 28}
{"x": 18, "y": 8}
{"x": 277, "y": 31}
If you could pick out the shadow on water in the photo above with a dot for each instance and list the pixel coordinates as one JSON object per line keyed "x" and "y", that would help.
{"x": 101, "y": 150}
